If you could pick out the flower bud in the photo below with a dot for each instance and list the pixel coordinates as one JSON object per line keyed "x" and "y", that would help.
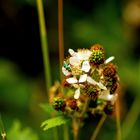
{"x": 71, "y": 102}
{"x": 109, "y": 70}
{"x": 92, "y": 92}
{"x": 97, "y": 56}
{"x": 59, "y": 104}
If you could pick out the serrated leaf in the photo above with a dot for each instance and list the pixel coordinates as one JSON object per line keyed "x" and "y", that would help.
{"x": 53, "y": 122}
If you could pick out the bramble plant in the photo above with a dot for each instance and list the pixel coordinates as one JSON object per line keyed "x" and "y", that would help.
{"x": 89, "y": 86}
{"x": 89, "y": 90}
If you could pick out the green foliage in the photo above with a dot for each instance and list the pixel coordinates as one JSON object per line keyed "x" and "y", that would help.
{"x": 17, "y": 133}
{"x": 13, "y": 85}
{"x": 82, "y": 29}
{"x": 48, "y": 108}
{"x": 57, "y": 121}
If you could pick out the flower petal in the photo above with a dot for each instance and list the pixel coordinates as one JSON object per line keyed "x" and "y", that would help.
{"x": 83, "y": 78}
{"x": 65, "y": 72}
{"x": 86, "y": 66}
{"x": 91, "y": 81}
{"x": 72, "y": 80}
{"x": 105, "y": 95}
{"x": 74, "y": 61}
{"x": 77, "y": 94}
{"x": 72, "y": 52}
{"x": 109, "y": 59}
{"x": 101, "y": 86}
{"x": 83, "y": 54}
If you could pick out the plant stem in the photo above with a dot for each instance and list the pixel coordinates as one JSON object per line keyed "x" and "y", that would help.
{"x": 98, "y": 128}
{"x": 118, "y": 124}
{"x": 60, "y": 35}
{"x": 85, "y": 108}
{"x": 131, "y": 118}
{"x": 66, "y": 134}
{"x": 77, "y": 121}
{"x": 44, "y": 45}
{"x": 75, "y": 128}
{"x": 55, "y": 134}
{"x": 61, "y": 51}
{"x": 45, "y": 52}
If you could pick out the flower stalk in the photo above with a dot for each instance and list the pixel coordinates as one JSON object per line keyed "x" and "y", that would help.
{"x": 61, "y": 52}
{"x": 44, "y": 44}
{"x": 60, "y": 35}
{"x": 98, "y": 127}
{"x": 76, "y": 126}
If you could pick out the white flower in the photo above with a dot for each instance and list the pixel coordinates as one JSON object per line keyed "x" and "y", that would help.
{"x": 85, "y": 66}
{"x": 72, "y": 52}
{"x": 83, "y": 78}
{"x": 79, "y": 70}
{"x": 73, "y": 80}
{"x": 105, "y": 95}
{"x": 74, "y": 61}
{"x": 109, "y": 59}
{"x": 78, "y": 57}
{"x": 93, "y": 82}
{"x": 65, "y": 72}
{"x": 83, "y": 54}
{"x": 101, "y": 86}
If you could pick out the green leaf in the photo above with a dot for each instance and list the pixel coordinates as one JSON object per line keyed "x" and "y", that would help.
{"x": 17, "y": 132}
{"x": 47, "y": 108}
{"x": 50, "y": 111}
{"x": 50, "y": 123}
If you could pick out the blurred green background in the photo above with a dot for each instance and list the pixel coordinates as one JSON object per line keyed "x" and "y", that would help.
{"x": 115, "y": 24}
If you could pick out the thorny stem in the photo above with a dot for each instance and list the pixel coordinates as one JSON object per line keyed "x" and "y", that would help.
{"x": 44, "y": 44}
{"x": 131, "y": 117}
{"x": 60, "y": 35}
{"x": 98, "y": 127}
{"x": 118, "y": 124}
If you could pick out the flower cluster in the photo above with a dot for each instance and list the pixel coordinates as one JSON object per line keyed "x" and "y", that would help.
{"x": 90, "y": 77}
